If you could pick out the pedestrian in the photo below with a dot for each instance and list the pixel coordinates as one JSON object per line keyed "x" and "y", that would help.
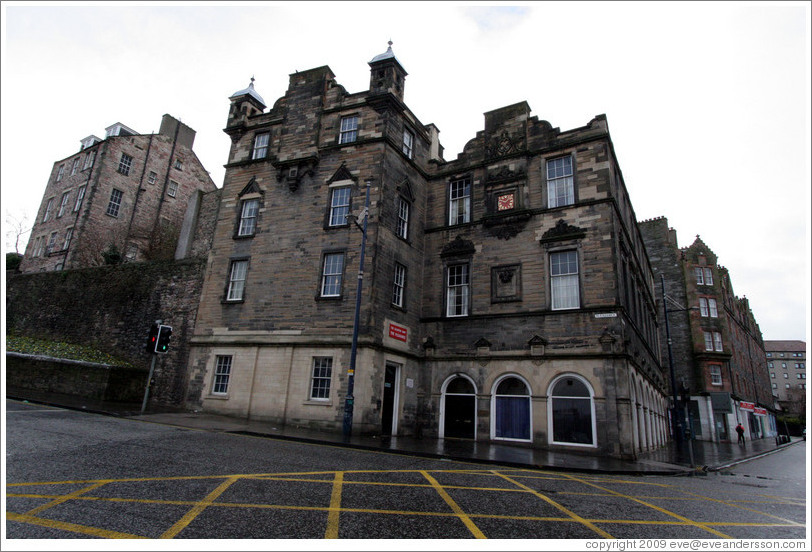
{"x": 740, "y": 431}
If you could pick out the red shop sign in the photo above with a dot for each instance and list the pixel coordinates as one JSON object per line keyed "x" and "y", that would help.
{"x": 398, "y": 332}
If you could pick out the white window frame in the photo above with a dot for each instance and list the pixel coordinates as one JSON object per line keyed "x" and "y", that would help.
{"x": 236, "y": 280}
{"x": 51, "y": 242}
{"x": 550, "y": 410}
{"x": 321, "y": 377}
{"x": 717, "y": 342}
{"x": 403, "y": 218}
{"x": 178, "y": 164}
{"x": 563, "y": 279}
{"x": 125, "y": 164}
{"x": 172, "y": 189}
{"x": 261, "y": 143}
{"x": 63, "y": 204}
{"x": 458, "y": 290}
{"x": 340, "y": 198}
{"x": 332, "y": 274}
{"x": 68, "y": 236}
{"x": 704, "y": 276}
{"x": 708, "y": 341}
{"x": 48, "y": 208}
{"x": 348, "y": 132}
{"x": 152, "y": 178}
{"x": 399, "y": 285}
{"x": 114, "y": 205}
{"x": 248, "y": 217}
{"x": 408, "y": 143}
{"x": 222, "y": 374}
{"x": 75, "y": 166}
{"x": 716, "y": 374}
{"x": 560, "y": 182}
{"x": 459, "y": 201}
{"x": 89, "y": 160}
{"x": 61, "y": 172}
{"x": 80, "y": 196}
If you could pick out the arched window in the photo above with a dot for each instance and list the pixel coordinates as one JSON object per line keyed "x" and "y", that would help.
{"x": 572, "y": 412}
{"x": 459, "y": 408}
{"x": 511, "y": 410}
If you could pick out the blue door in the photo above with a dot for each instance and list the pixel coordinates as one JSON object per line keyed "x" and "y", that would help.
{"x": 512, "y": 410}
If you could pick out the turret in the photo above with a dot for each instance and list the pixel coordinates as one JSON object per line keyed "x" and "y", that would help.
{"x": 244, "y": 103}
{"x": 387, "y": 75}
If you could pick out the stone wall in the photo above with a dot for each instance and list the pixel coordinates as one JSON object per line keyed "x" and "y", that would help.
{"x": 111, "y": 309}
{"x": 98, "y": 382}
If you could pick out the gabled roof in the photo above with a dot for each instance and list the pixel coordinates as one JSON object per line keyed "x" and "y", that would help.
{"x": 784, "y": 346}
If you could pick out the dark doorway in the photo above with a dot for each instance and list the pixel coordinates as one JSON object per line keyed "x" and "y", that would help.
{"x": 460, "y": 410}
{"x": 389, "y": 398}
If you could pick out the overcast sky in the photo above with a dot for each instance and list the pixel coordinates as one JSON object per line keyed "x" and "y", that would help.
{"x": 708, "y": 104}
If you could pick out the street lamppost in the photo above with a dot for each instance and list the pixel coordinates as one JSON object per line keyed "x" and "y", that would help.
{"x": 675, "y": 417}
{"x": 350, "y": 399}
{"x": 685, "y": 391}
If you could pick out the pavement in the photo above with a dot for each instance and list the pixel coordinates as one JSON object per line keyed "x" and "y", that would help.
{"x": 687, "y": 458}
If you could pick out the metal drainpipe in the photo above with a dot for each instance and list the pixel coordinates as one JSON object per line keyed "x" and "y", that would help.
{"x": 85, "y": 203}
{"x": 166, "y": 178}
{"x": 138, "y": 193}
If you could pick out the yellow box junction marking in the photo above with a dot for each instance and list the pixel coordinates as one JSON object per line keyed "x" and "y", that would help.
{"x": 338, "y": 479}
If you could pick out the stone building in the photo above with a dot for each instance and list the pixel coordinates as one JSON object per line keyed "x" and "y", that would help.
{"x": 506, "y": 294}
{"x": 124, "y": 196}
{"x": 716, "y": 344}
{"x": 786, "y": 362}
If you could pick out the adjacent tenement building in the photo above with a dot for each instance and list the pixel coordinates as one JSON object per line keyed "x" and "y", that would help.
{"x": 786, "y": 362}
{"x": 716, "y": 344}
{"x": 120, "y": 198}
{"x": 507, "y": 294}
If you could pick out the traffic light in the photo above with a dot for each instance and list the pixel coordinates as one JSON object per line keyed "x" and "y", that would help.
{"x": 164, "y": 333}
{"x": 152, "y": 340}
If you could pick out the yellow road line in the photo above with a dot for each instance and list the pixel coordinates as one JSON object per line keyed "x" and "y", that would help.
{"x": 335, "y": 507}
{"x": 455, "y": 507}
{"x": 742, "y": 508}
{"x": 559, "y": 507}
{"x": 64, "y": 498}
{"x": 198, "y": 508}
{"x": 73, "y": 527}
{"x": 655, "y": 507}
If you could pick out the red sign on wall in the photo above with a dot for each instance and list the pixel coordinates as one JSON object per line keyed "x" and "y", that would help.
{"x": 398, "y": 332}
{"x": 747, "y": 406}
{"x": 758, "y": 411}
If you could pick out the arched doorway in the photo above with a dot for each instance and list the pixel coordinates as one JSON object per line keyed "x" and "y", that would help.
{"x": 459, "y": 408}
{"x": 510, "y": 409}
{"x": 572, "y": 411}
